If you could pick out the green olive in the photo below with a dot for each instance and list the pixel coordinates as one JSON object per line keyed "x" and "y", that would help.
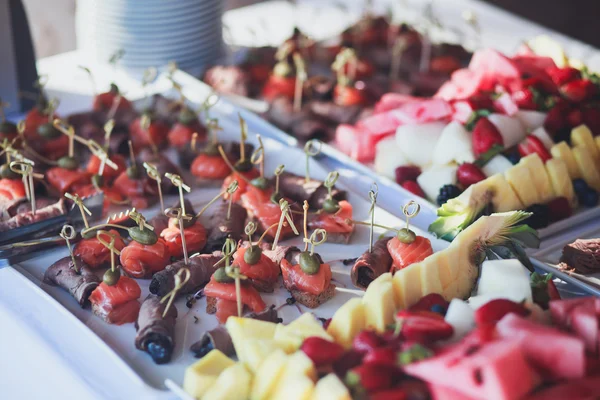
{"x": 406, "y": 236}
{"x": 7, "y": 173}
{"x": 48, "y": 131}
{"x": 67, "y": 162}
{"x": 187, "y": 116}
{"x": 98, "y": 180}
{"x": 8, "y": 128}
{"x": 114, "y": 88}
{"x": 211, "y": 149}
{"x": 222, "y": 277}
{"x": 331, "y": 206}
{"x": 275, "y": 197}
{"x": 252, "y": 255}
{"x": 133, "y": 172}
{"x": 309, "y": 263}
{"x": 243, "y": 166}
{"x": 111, "y": 277}
{"x": 146, "y": 237}
{"x": 261, "y": 182}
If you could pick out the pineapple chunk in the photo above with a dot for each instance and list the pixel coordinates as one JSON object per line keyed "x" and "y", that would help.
{"x": 597, "y": 140}
{"x": 240, "y": 328}
{"x": 540, "y": 177}
{"x": 202, "y": 374}
{"x": 290, "y": 337}
{"x": 563, "y": 151}
{"x": 331, "y": 388}
{"x": 431, "y": 281}
{"x": 582, "y": 136}
{"x": 587, "y": 167}
{"x": 561, "y": 182}
{"x": 233, "y": 384}
{"x": 347, "y": 322}
{"x": 380, "y": 303}
{"x": 254, "y": 351}
{"x": 294, "y": 388}
{"x": 504, "y": 198}
{"x": 520, "y": 179}
{"x": 267, "y": 375}
{"x": 299, "y": 364}
{"x": 407, "y": 283}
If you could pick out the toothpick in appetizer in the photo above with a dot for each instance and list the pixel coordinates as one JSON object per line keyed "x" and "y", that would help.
{"x": 148, "y": 131}
{"x": 12, "y": 187}
{"x": 333, "y": 215}
{"x": 133, "y": 185}
{"x": 25, "y": 169}
{"x": 305, "y": 275}
{"x": 155, "y": 327}
{"x": 71, "y": 273}
{"x": 90, "y": 249}
{"x": 115, "y": 300}
{"x": 281, "y": 82}
{"x": 346, "y": 66}
{"x": 301, "y": 76}
{"x": 153, "y": 173}
{"x": 40, "y": 136}
{"x": 95, "y": 163}
{"x": 209, "y": 167}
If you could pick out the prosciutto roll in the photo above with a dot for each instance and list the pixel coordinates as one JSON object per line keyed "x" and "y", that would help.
{"x": 201, "y": 269}
{"x": 155, "y": 333}
{"x": 220, "y": 228}
{"x": 372, "y": 264}
{"x": 296, "y": 188}
{"x": 80, "y": 284}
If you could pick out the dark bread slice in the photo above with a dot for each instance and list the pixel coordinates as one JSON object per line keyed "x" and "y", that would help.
{"x": 263, "y": 286}
{"x": 311, "y": 300}
{"x": 211, "y": 305}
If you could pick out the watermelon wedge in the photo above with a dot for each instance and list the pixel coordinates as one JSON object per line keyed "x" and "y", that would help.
{"x": 580, "y": 389}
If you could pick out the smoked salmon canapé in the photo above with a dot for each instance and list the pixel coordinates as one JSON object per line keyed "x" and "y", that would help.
{"x": 221, "y": 299}
{"x": 65, "y": 180}
{"x": 265, "y": 212}
{"x": 111, "y": 195}
{"x": 405, "y": 254}
{"x": 207, "y": 167}
{"x": 195, "y": 238}
{"x": 140, "y": 190}
{"x": 242, "y": 184}
{"x": 108, "y": 173}
{"x": 141, "y": 261}
{"x": 262, "y": 273}
{"x": 338, "y": 230}
{"x": 309, "y": 290}
{"x": 12, "y": 189}
{"x": 117, "y": 304}
{"x": 94, "y": 253}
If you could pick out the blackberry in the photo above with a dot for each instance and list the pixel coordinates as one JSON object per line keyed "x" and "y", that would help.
{"x": 589, "y": 198}
{"x": 513, "y": 157}
{"x": 447, "y": 192}
{"x": 580, "y": 186}
{"x": 540, "y": 217}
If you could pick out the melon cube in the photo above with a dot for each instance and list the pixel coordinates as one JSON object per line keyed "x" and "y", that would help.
{"x": 508, "y": 279}
{"x": 461, "y": 316}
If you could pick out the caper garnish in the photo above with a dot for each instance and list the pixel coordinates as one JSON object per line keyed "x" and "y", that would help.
{"x": 252, "y": 255}
{"x": 406, "y": 236}
{"x": 111, "y": 277}
{"x": 243, "y": 166}
{"x": 97, "y": 180}
{"x": 146, "y": 237}
{"x": 222, "y": 277}
{"x": 67, "y": 162}
{"x": 7, "y": 173}
{"x": 186, "y": 116}
{"x": 261, "y": 182}
{"x": 48, "y": 131}
{"x": 309, "y": 263}
{"x": 133, "y": 172}
{"x": 275, "y": 197}
{"x": 211, "y": 149}
{"x": 331, "y": 206}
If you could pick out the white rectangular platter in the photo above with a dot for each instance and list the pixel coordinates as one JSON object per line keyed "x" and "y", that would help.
{"x": 105, "y": 355}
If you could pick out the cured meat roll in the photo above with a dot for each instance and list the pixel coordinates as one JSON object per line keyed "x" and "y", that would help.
{"x": 372, "y": 264}
{"x": 155, "y": 333}
{"x": 80, "y": 283}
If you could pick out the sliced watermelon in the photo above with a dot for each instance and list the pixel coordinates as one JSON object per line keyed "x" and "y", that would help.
{"x": 493, "y": 371}
{"x": 495, "y": 65}
{"x": 464, "y": 83}
{"x": 382, "y": 124}
{"x": 530, "y": 63}
{"x": 584, "y": 323}
{"x": 390, "y": 101}
{"x": 445, "y": 393}
{"x": 560, "y": 310}
{"x": 356, "y": 142}
{"x": 580, "y": 389}
{"x": 555, "y": 354}
{"x": 425, "y": 111}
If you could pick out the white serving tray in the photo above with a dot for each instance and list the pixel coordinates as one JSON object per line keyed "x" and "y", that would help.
{"x": 105, "y": 355}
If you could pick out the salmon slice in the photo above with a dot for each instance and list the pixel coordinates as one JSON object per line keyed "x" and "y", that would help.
{"x": 242, "y": 184}
{"x": 142, "y": 261}
{"x": 294, "y": 278}
{"x": 111, "y": 195}
{"x": 93, "y": 167}
{"x": 129, "y": 187}
{"x": 156, "y": 134}
{"x": 226, "y": 291}
{"x": 63, "y": 180}
{"x": 334, "y": 223}
{"x": 225, "y": 309}
{"x": 195, "y": 238}
{"x": 117, "y": 304}
{"x": 404, "y": 254}
{"x": 259, "y": 205}
{"x": 264, "y": 270}
{"x": 210, "y": 167}
{"x": 12, "y": 189}
{"x": 94, "y": 253}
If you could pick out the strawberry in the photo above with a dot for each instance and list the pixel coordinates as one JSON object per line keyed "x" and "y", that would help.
{"x": 366, "y": 341}
{"x": 543, "y": 289}
{"x": 385, "y": 356}
{"x": 407, "y": 173}
{"x": 469, "y": 174}
{"x": 591, "y": 117}
{"x": 493, "y": 311}
{"x": 413, "y": 187}
{"x": 390, "y": 394}
{"x": 321, "y": 351}
{"x": 575, "y": 117}
{"x": 579, "y": 90}
{"x": 560, "y": 76}
{"x": 369, "y": 377}
{"x": 485, "y": 135}
{"x": 556, "y": 118}
{"x": 348, "y": 96}
{"x": 347, "y": 361}
{"x": 524, "y": 99}
{"x": 559, "y": 208}
{"x": 480, "y": 101}
{"x": 428, "y": 301}
{"x": 423, "y": 326}
{"x": 532, "y": 144}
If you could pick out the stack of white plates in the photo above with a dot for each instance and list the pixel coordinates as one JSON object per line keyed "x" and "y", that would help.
{"x": 151, "y": 32}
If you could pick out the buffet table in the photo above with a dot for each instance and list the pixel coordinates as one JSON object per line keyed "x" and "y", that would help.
{"x": 32, "y": 367}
